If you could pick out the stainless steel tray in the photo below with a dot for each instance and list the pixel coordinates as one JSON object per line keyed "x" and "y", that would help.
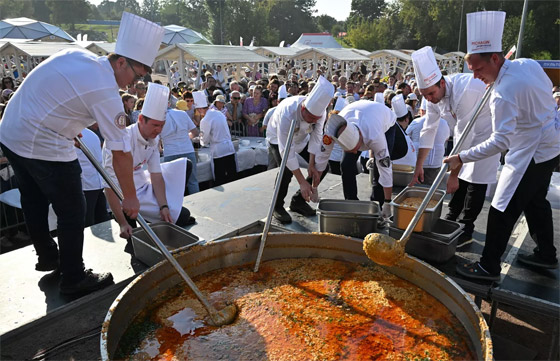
{"x": 348, "y": 217}
{"x": 436, "y": 246}
{"x": 172, "y": 236}
{"x": 403, "y": 215}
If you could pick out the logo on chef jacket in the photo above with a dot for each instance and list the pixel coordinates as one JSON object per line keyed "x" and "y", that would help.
{"x": 139, "y": 166}
{"x": 385, "y": 162}
{"x": 327, "y": 140}
{"x": 120, "y": 120}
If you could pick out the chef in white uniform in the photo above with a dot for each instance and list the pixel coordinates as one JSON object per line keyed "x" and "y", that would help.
{"x": 161, "y": 187}
{"x": 456, "y": 97}
{"x": 214, "y": 131}
{"x": 176, "y": 136}
{"x": 361, "y": 126}
{"x": 309, "y": 112}
{"x": 58, "y": 99}
{"x": 524, "y": 122}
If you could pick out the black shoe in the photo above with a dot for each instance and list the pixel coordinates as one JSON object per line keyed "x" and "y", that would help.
{"x": 190, "y": 221}
{"x": 91, "y": 282}
{"x": 464, "y": 239}
{"x": 281, "y": 215}
{"x": 46, "y": 265}
{"x": 475, "y": 271}
{"x": 536, "y": 261}
{"x": 302, "y": 208}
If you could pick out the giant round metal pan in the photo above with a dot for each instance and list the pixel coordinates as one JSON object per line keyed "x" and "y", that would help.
{"x": 141, "y": 292}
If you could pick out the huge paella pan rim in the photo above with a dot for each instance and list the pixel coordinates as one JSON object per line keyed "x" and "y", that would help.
{"x": 243, "y": 250}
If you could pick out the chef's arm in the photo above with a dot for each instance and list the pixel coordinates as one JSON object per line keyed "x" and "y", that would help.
{"x": 122, "y": 165}
{"x": 313, "y": 172}
{"x": 115, "y": 204}
{"x": 388, "y": 192}
{"x": 194, "y": 133}
{"x": 158, "y": 185}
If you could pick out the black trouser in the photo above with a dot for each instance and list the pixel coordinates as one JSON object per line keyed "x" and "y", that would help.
{"x": 469, "y": 199}
{"x": 96, "y": 207}
{"x": 59, "y": 183}
{"x": 530, "y": 198}
{"x": 349, "y": 170}
{"x": 225, "y": 169}
{"x": 334, "y": 167}
{"x": 287, "y": 176}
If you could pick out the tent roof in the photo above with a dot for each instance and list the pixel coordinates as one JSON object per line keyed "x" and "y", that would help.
{"x": 454, "y": 53}
{"x": 276, "y": 51}
{"x": 175, "y": 34}
{"x": 211, "y": 54}
{"x": 388, "y": 52}
{"x": 101, "y": 47}
{"x": 319, "y": 40}
{"x": 35, "y": 48}
{"x": 339, "y": 54}
{"x": 25, "y": 28}
{"x": 362, "y": 52}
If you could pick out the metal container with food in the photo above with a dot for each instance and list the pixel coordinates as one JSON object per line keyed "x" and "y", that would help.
{"x": 172, "y": 236}
{"x": 402, "y": 178}
{"x": 286, "y": 328}
{"x": 438, "y": 246}
{"x": 348, "y": 217}
{"x": 406, "y": 203}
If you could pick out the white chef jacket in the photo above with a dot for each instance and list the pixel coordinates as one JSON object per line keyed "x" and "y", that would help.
{"x": 304, "y": 133}
{"x": 462, "y": 95}
{"x": 91, "y": 179}
{"x": 146, "y": 153}
{"x": 270, "y": 133}
{"x": 175, "y": 133}
{"x": 436, "y": 154}
{"x": 214, "y": 130}
{"x": 523, "y": 120}
{"x": 373, "y": 120}
{"x": 66, "y": 93}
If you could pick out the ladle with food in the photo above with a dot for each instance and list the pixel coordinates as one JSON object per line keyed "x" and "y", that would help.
{"x": 385, "y": 250}
{"x": 219, "y": 318}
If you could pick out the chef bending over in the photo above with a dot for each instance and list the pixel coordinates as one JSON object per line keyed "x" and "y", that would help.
{"x": 161, "y": 188}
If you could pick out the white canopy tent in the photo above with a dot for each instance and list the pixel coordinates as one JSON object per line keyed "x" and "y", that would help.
{"x": 316, "y": 40}
{"x": 453, "y": 62}
{"x": 389, "y": 61}
{"x": 279, "y": 55}
{"x": 31, "y": 53}
{"x": 101, "y": 48}
{"x": 210, "y": 54}
{"x": 347, "y": 58}
{"x": 175, "y": 34}
{"x": 25, "y": 28}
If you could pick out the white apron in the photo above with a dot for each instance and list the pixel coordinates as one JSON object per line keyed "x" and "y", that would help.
{"x": 410, "y": 157}
{"x": 174, "y": 174}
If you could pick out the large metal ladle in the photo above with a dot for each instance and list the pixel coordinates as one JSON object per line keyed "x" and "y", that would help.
{"x": 219, "y": 318}
{"x": 385, "y": 250}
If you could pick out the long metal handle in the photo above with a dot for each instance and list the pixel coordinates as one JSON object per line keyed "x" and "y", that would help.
{"x": 445, "y": 166}
{"x": 151, "y": 234}
{"x": 275, "y": 194}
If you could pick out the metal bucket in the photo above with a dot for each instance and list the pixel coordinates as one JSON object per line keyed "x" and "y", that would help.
{"x": 198, "y": 259}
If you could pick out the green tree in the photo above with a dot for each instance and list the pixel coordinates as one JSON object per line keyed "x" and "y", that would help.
{"x": 70, "y": 12}
{"x": 151, "y": 10}
{"x": 291, "y": 18}
{"x": 108, "y": 10}
{"x": 325, "y": 23}
{"x": 41, "y": 11}
{"x": 368, "y": 10}
{"x": 130, "y": 6}
{"x": 15, "y": 9}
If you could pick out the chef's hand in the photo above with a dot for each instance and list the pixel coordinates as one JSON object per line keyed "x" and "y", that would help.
{"x": 386, "y": 211}
{"x": 306, "y": 190}
{"x": 76, "y": 144}
{"x": 418, "y": 177}
{"x": 452, "y": 184}
{"x": 454, "y": 161}
{"x": 314, "y": 195}
{"x": 126, "y": 231}
{"x": 130, "y": 207}
{"x": 166, "y": 215}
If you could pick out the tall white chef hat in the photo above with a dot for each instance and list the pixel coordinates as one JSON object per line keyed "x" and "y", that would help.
{"x": 138, "y": 39}
{"x": 426, "y": 68}
{"x": 155, "y": 102}
{"x": 399, "y": 107}
{"x": 200, "y": 99}
{"x": 319, "y": 98}
{"x": 282, "y": 92}
{"x": 379, "y": 98}
{"x": 340, "y": 103}
{"x": 484, "y": 31}
{"x": 348, "y": 138}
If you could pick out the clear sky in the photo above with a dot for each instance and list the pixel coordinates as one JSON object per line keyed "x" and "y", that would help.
{"x": 338, "y": 9}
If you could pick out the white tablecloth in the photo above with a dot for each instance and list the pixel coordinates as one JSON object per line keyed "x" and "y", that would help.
{"x": 252, "y": 152}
